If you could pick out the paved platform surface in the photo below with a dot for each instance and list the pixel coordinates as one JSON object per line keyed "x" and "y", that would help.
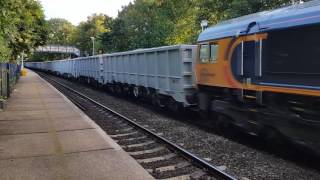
{"x": 44, "y": 136}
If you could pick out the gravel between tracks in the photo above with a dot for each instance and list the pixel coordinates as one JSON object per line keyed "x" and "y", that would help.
{"x": 239, "y": 160}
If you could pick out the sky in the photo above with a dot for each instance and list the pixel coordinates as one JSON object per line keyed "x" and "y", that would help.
{"x": 76, "y": 11}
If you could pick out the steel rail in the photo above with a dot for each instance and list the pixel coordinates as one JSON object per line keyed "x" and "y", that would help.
{"x": 210, "y": 169}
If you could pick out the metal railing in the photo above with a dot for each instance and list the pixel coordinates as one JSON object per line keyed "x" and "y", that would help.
{"x": 9, "y": 75}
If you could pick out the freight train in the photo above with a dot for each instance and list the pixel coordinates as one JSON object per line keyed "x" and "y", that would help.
{"x": 259, "y": 72}
{"x": 164, "y": 75}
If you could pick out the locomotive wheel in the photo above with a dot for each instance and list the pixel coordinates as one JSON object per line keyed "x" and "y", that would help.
{"x": 224, "y": 126}
{"x": 273, "y": 138}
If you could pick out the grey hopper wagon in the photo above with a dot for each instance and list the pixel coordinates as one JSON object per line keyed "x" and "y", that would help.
{"x": 163, "y": 71}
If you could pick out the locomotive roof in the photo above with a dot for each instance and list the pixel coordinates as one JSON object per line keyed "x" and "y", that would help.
{"x": 296, "y": 15}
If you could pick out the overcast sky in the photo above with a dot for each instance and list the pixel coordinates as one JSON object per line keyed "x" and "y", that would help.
{"x": 76, "y": 11}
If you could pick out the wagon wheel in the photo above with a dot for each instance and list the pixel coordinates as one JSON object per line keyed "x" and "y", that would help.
{"x": 154, "y": 99}
{"x": 174, "y": 106}
{"x": 136, "y": 92}
{"x": 111, "y": 89}
{"x": 118, "y": 90}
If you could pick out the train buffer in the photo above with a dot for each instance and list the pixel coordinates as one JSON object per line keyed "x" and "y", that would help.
{"x": 44, "y": 136}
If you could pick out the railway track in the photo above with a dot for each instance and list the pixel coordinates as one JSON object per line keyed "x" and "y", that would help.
{"x": 160, "y": 157}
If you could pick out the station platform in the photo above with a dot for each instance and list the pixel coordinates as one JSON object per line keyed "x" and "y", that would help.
{"x": 44, "y": 136}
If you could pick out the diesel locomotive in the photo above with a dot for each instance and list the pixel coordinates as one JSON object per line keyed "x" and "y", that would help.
{"x": 259, "y": 72}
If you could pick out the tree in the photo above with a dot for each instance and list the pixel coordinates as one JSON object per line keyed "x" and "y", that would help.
{"x": 140, "y": 25}
{"x": 182, "y": 17}
{"x": 93, "y": 27}
{"x": 116, "y": 39}
{"x": 22, "y": 27}
{"x": 244, "y": 7}
{"x": 61, "y": 31}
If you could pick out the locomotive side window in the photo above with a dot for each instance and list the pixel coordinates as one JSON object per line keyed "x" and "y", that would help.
{"x": 294, "y": 51}
{"x": 214, "y": 52}
{"x": 204, "y": 53}
{"x": 293, "y": 57}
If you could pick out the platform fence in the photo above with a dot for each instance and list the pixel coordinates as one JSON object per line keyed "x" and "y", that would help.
{"x": 9, "y": 75}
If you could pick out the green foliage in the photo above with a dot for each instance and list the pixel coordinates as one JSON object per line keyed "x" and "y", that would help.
{"x": 60, "y": 32}
{"x": 183, "y": 17}
{"x": 5, "y": 51}
{"x": 93, "y": 27}
{"x": 116, "y": 39}
{"x": 151, "y": 23}
{"x": 140, "y": 25}
{"x": 243, "y": 7}
{"x": 22, "y": 27}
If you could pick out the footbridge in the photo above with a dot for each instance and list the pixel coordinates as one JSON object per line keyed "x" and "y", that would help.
{"x": 59, "y": 49}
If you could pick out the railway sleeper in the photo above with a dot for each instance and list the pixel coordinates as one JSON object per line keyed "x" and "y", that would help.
{"x": 120, "y": 125}
{"x": 138, "y": 145}
{"x": 169, "y": 168}
{"x": 149, "y": 151}
{"x": 195, "y": 175}
{"x": 133, "y": 139}
{"x": 117, "y": 124}
{"x": 156, "y": 159}
{"x": 128, "y": 144}
{"x": 124, "y": 130}
{"x": 123, "y": 135}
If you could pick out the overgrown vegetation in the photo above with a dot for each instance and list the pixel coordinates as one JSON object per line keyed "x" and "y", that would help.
{"x": 22, "y": 28}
